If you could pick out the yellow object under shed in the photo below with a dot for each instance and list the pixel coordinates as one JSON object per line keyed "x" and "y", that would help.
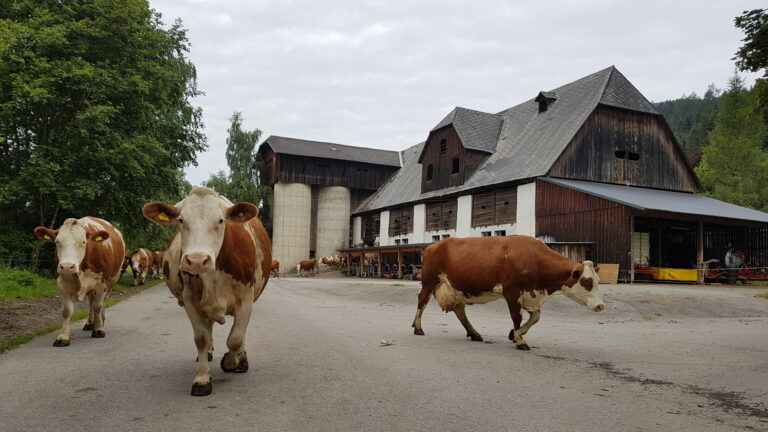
{"x": 686, "y": 275}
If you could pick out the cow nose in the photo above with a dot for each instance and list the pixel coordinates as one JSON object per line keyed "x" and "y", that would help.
{"x": 599, "y": 308}
{"x": 197, "y": 262}
{"x": 66, "y": 268}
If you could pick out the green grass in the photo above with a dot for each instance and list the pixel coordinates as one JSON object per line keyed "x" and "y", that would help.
{"x": 764, "y": 295}
{"x": 22, "y": 283}
{"x": 397, "y": 284}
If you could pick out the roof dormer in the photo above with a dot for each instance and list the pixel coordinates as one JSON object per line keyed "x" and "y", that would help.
{"x": 545, "y": 99}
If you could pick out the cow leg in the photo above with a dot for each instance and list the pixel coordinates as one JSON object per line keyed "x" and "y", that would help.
{"x": 532, "y": 319}
{"x": 62, "y": 339}
{"x": 201, "y": 328}
{"x": 517, "y": 318}
{"x": 89, "y": 323}
{"x": 460, "y": 311}
{"x": 98, "y": 313}
{"x": 423, "y": 300}
{"x": 236, "y": 360}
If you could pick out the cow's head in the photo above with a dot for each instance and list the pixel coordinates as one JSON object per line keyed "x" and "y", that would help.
{"x": 202, "y": 218}
{"x": 71, "y": 242}
{"x": 581, "y": 286}
{"x": 140, "y": 261}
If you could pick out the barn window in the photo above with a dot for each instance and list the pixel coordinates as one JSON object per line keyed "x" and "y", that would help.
{"x": 435, "y": 238}
{"x": 430, "y": 170}
{"x": 397, "y": 241}
{"x": 455, "y": 168}
{"x": 621, "y": 154}
{"x": 405, "y": 241}
{"x": 485, "y": 234}
{"x": 445, "y": 236}
{"x": 501, "y": 233}
{"x": 633, "y": 156}
{"x": 443, "y": 146}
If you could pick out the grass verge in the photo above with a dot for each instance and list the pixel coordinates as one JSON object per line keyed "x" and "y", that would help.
{"x": 121, "y": 287}
{"x": 23, "y": 283}
{"x": 763, "y": 295}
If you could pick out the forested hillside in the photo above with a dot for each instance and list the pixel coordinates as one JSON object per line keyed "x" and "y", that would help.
{"x": 692, "y": 118}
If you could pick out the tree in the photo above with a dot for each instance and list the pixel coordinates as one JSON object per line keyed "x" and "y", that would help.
{"x": 734, "y": 167}
{"x": 243, "y": 183}
{"x": 753, "y": 55}
{"x": 96, "y": 115}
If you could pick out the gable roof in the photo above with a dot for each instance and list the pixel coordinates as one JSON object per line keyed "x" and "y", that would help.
{"x": 326, "y": 150}
{"x": 477, "y": 130}
{"x": 529, "y": 142}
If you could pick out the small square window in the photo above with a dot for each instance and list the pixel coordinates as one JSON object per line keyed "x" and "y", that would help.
{"x": 485, "y": 234}
{"x": 405, "y": 241}
{"x": 436, "y": 238}
{"x": 443, "y": 146}
{"x": 455, "y": 167}
{"x": 445, "y": 236}
{"x": 500, "y": 233}
{"x": 397, "y": 241}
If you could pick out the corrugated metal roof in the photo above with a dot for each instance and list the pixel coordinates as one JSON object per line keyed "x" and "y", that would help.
{"x": 300, "y": 147}
{"x": 528, "y": 143}
{"x": 653, "y": 199}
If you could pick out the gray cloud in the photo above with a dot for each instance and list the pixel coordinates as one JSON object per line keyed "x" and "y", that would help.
{"x": 383, "y": 73}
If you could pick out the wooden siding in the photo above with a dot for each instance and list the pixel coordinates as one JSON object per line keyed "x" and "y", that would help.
{"x": 442, "y": 163}
{"x": 401, "y": 221}
{"x": 495, "y": 207}
{"x": 565, "y": 215}
{"x": 441, "y": 215}
{"x": 591, "y": 155}
{"x": 269, "y": 167}
{"x": 325, "y": 172}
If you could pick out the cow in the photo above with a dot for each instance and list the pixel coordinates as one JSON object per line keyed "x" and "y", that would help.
{"x": 125, "y": 265}
{"x": 141, "y": 265}
{"x": 157, "y": 263}
{"x": 216, "y": 264}
{"x": 89, "y": 254}
{"x": 520, "y": 269}
{"x": 332, "y": 261}
{"x": 309, "y": 265}
{"x": 275, "y": 269}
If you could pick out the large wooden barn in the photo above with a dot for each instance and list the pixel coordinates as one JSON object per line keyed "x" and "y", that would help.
{"x": 590, "y": 168}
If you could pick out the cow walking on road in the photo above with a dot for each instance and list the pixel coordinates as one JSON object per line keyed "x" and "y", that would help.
{"x": 157, "y": 264}
{"x": 89, "y": 254}
{"x": 307, "y": 267}
{"x": 217, "y": 264}
{"x": 141, "y": 265}
{"x": 520, "y": 269}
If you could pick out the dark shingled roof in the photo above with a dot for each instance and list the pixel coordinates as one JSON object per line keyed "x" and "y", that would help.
{"x": 529, "y": 142}
{"x": 300, "y": 147}
{"x": 477, "y": 130}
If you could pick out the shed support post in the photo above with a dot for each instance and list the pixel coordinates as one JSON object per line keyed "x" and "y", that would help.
{"x": 700, "y": 253}
{"x": 631, "y": 249}
{"x": 399, "y": 263}
{"x": 378, "y": 268}
{"x": 362, "y": 264}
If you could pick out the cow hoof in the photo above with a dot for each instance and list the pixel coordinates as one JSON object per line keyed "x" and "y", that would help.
{"x": 512, "y": 334}
{"x": 98, "y": 334}
{"x": 61, "y": 342}
{"x": 88, "y": 326}
{"x": 226, "y": 364}
{"x": 476, "y": 337}
{"x": 524, "y": 347}
{"x": 201, "y": 389}
{"x": 418, "y": 331}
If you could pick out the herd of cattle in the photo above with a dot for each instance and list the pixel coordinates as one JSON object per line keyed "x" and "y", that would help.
{"x": 220, "y": 258}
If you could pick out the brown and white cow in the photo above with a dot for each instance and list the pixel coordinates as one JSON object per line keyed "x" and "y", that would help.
{"x": 89, "y": 254}
{"x": 309, "y": 265}
{"x": 520, "y": 269}
{"x": 275, "y": 269}
{"x": 157, "y": 263}
{"x": 217, "y": 264}
{"x": 141, "y": 265}
{"x": 125, "y": 265}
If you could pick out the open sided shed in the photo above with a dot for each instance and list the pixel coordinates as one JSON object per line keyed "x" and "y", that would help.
{"x": 640, "y": 228}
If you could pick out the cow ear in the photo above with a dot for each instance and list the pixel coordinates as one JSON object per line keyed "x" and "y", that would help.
{"x": 99, "y": 236}
{"x": 242, "y": 212}
{"x": 161, "y": 213}
{"x": 46, "y": 234}
{"x": 597, "y": 269}
{"x": 576, "y": 273}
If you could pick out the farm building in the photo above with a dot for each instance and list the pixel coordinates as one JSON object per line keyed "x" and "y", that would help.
{"x": 590, "y": 168}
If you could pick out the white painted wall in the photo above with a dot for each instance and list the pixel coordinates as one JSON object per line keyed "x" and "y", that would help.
{"x": 464, "y": 216}
{"x": 384, "y": 229}
{"x": 419, "y": 223}
{"x": 333, "y": 209}
{"x": 526, "y": 209}
{"x": 291, "y": 220}
{"x": 478, "y": 231}
{"x": 357, "y": 231}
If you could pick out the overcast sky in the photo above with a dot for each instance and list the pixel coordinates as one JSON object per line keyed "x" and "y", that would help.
{"x": 381, "y": 74}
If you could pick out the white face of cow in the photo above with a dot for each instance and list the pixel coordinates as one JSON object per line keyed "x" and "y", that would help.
{"x": 202, "y": 218}
{"x": 585, "y": 291}
{"x": 71, "y": 240}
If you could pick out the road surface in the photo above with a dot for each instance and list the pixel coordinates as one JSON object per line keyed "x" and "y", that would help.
{"x": 662, "y": 358}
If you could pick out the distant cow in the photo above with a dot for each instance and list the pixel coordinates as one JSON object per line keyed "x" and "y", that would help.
{"x": 520, "y": 269}
{"x": 125, "y": 265}
{"x": 275, "y": 270}
{"x": 307, "y": 266}
{"x": 141, "y": 265}
{"x": 332, "y": 261}
{"x": 157, "y": 263}
{"x": 217, "y": 264}
{"x": 89, "y": 254}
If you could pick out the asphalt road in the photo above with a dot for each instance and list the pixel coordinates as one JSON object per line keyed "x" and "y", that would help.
{"x": 660, "y": 358}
